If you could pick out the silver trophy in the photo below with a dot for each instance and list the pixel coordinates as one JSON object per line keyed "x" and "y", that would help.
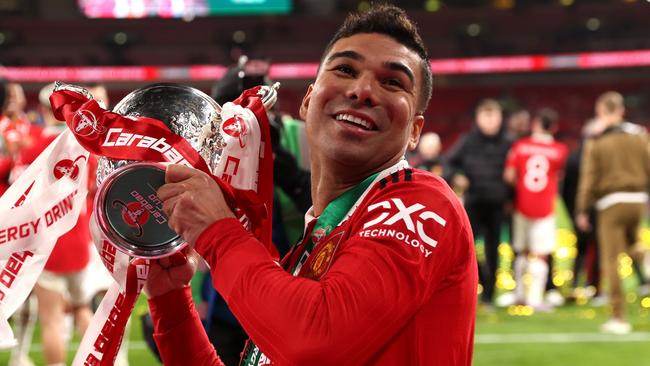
{"x": 127, "y": 209}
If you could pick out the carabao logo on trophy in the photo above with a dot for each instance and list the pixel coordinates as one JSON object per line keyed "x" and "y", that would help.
{"x": 133, "y": 214}
{"x": 85, "y": 123}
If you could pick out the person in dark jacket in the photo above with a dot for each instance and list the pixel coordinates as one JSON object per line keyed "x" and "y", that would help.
{"x": 475, "y": 166}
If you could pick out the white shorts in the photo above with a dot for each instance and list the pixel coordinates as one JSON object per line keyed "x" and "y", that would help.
{"x": 69, "y": 285}
{"x": 534, "y": 235}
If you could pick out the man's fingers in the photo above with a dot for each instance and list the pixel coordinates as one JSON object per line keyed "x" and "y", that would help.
{"x": 177, "y": 173}
{"x": 169, "y": 205}
{"x": 169, "y": 190}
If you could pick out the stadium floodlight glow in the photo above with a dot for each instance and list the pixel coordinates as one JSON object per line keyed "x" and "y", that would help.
{"x": 432, "y": 5}
{"x": 566, "y": 2}
{"x": 593, "y": 24}
{"x": 503, "y": 4}
{"x": 239, "y": 36}
{"x": 363, "y": 6}
{"x": 120, "y": 38}
{"x": 473, "y": 30}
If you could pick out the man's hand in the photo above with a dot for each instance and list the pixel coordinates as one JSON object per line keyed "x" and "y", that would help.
{"x": 170, "y": 273}
{"x": 192, "y": 201}
{"x": 582, "y": 222}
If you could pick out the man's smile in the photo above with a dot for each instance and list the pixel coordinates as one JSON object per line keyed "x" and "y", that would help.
{"x": 357, "y": 120}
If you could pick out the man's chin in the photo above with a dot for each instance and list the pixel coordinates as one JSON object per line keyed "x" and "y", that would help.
{"x": 355, "y": 161}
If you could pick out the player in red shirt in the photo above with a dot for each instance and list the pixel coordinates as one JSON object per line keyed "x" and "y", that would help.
{"x": 16, "y": 129}
{"x": 533, "y": 166}
{"x": 386, "y": 272}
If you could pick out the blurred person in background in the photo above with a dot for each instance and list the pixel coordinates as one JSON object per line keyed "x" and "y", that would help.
{"x": 100, "y": 94}
{"x": 475, "y": 164}
{"x": 614, "y": 179}
{"x": 18, "y": 132}
{"x": 61, "y": 284}
{"x": 519, "y": 124}
{"x": 428, "y": 153}
{"x": 533, "y": 167}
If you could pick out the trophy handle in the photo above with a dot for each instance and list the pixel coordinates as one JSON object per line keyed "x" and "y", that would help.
{"x": 58, "y": 85}
{"x": 269, "y": 95}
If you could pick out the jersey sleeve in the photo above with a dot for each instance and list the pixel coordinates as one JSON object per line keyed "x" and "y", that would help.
{"x": 586, "y": 195}
{"x": 179, "y": 334}
{"x": 373, "y": 288}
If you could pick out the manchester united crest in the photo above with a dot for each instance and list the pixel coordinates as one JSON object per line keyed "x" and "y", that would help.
{"x": 322, "y": 258}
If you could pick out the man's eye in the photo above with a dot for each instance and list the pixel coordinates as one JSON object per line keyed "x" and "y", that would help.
{"x": 346, "y": 69}
{"x": 394, "y": 82}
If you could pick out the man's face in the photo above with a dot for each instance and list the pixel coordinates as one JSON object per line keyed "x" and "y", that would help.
{"x": 519, "y": 123}
{"x": 488, "y": 120}
{"x": 100, "y": 94}
{"x": 362, "y": 109}
{"x": 16, "y": 101}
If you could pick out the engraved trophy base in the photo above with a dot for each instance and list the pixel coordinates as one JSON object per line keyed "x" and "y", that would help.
{"x": 129, "y": 212}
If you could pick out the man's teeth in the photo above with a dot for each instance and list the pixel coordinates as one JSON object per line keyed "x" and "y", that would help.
{"x": 356, "y": 120}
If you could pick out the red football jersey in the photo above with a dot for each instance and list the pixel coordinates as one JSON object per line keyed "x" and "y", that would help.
{"x": 537, "y": 162}
{"x": 394, "y": 284}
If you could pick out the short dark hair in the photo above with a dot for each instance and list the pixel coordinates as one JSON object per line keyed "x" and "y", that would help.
{"x": 488, "y": 104}
{"x": 612, "y": 101}
{"x": 548, "y": 118}
{"x": 391, "y": 21}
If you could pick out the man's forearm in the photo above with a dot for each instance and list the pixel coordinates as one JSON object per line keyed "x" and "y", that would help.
{"x": 178, "y": 331}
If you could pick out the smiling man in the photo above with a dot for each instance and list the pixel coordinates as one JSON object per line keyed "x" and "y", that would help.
{"x": 385, "y": 273}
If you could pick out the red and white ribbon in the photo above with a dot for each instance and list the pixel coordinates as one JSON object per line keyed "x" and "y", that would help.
{"x": 39, "y": 207}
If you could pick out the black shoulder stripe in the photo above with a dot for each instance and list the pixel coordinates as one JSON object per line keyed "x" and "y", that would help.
{"x": 383, "y": 182}
{"x": 408, "y": 175}
{"x": 395, "y": 177}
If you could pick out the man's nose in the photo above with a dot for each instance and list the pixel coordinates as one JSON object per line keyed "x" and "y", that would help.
{"x": 362, "y": 90}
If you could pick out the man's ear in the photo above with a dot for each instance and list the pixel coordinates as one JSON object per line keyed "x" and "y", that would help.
{"x": 305, "y": 103}
{"x": 416, "y": 130}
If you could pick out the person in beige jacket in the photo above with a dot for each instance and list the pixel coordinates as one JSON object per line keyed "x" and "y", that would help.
{"x": 614, "y": 179}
